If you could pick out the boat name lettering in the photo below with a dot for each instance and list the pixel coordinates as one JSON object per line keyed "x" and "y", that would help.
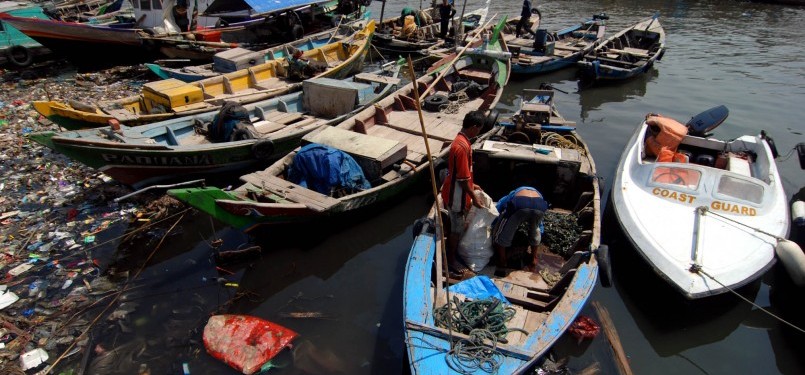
{"x": 733, "y": 208}
{"x": 673, "y": 195}
{"x": 158, "y": 160}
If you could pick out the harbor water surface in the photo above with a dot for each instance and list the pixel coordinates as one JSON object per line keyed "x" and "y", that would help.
{"x": 348, "y": 278}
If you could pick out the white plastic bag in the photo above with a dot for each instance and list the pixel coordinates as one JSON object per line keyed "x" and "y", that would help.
{"x": 475, "y": 247}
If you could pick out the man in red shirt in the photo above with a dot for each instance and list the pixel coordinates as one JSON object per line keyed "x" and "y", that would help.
{"x": 458, "y": 189}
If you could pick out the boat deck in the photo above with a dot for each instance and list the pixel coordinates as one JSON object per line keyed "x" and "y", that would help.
{"x": 404, "y": 127}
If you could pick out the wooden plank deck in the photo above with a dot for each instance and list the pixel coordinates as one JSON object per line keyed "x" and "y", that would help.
{"x": 291, "y": 191}
{"x": 416, "y": 152}
{"x": 444, "y": 128}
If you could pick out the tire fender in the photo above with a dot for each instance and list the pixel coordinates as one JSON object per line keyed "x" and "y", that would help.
{"x": 19, "y": 56}
{"x": 604, "y": 265}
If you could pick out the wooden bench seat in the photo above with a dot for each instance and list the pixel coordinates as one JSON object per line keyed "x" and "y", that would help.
{"x": 631, "y": 51}
{"x": 416, "y": 151}
{"x": 477, "y": 75}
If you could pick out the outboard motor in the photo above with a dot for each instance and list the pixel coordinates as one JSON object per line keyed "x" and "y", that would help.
{"x": 600, "y": 16}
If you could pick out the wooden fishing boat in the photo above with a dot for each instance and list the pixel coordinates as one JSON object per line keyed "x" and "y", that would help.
{"x": 538, "y": 148}
{"x": 254, "y": 33}
{"x": 225, "y": 61}
{"x": 176, "y": 149}
{"x": 516, "y": 42}
{"x": 385, "y": 140}
{"x": 83, "y": 43}
{"x": 552, "y": 51}
{"x": 702, "y": 212}
{"x": 94, "y": 11}
{"x": 169, "y": 98}
{"x": 390, "y": 39}
{"x": 629, "y": 53}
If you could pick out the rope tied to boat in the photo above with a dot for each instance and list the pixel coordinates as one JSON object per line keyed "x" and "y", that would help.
{"x": 695, "y": 268}
{"x": 705, "y": 210}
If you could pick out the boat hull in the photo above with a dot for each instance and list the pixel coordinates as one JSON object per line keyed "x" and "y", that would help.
{"x": 611, "y": 60}
{"x": 84, "y": 44}
{"x": 138, "y": 167}
{"x": 570, "y": 45}
{"x": 247, "y": 92}
{"x": 501, "y": 166}
{"x": 703, "y": 228}
{"x": 241, "y": 210}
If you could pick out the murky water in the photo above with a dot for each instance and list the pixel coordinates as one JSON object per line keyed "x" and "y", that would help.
{"x": 747, "y": 56}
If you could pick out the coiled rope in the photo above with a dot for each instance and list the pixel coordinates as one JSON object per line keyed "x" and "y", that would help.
{"x": 562, "y": 141}
{"x": 455, "y": 105}
{"x": 483, "y": 320}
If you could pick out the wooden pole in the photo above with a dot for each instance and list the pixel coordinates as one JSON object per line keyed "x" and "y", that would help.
{"x": 459, "y": 29}
{"x": 613, "y": 338}
{"x": 441, "y": 254}
{"x": 382, "y": 10}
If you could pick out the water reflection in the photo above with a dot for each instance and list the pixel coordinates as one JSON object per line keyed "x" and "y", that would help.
{"x": 672, "y": 323}
{"x": 592, "y": 98}
{"x": 342, "y": 284}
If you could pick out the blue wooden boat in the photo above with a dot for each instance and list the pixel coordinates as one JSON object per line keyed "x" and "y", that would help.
{"x": 199, "y": 72}
{"x": 552, "y": 51}
{"x": 627, "y": 54}
{"x": 531, "y": 145}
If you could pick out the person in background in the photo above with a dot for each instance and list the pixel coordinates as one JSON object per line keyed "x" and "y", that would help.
{"x": 459, "y": 190}
{"x": 523, "y": 205}
{"x": 298, "y": 66}
{"x": 446, "y": 13}
{"x": 410, "y": 12}
{"x": 525, "y": 19}
{"x": 180, "y": 16}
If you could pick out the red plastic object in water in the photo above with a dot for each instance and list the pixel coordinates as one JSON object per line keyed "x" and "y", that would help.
{"x": 245, "y": 342}
{"x": 584, "y": 328}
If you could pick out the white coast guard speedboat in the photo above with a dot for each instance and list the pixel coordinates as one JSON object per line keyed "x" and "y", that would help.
{"x": 705, "y": 214}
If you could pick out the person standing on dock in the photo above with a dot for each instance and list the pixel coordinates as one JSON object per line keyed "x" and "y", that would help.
{"x": 446, "y": 13}
{"x": 458, "y": 190}
{"x": 525, "y": 19}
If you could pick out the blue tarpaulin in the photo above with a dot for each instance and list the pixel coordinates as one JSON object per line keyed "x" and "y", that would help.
{"x": 477, "y": 288}
{"x": 323, "y": 169}
{"x": 258, "y": 6}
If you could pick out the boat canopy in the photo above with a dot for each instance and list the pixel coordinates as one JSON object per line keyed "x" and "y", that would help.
{"x": 256, "y": 7}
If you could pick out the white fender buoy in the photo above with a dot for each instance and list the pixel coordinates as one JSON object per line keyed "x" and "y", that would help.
{"x": 793, "y": 260}
{"x": 798, "y": 213}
